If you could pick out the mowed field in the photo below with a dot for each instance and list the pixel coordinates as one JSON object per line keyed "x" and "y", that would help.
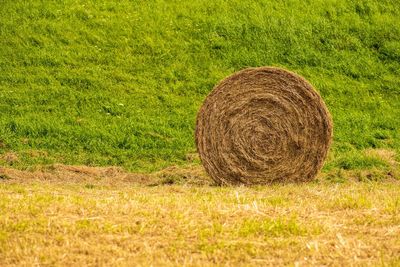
{"x": 103, "y": 216}
{"x": 98, "y": 101}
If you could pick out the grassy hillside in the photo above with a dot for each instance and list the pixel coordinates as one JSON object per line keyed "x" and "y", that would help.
{"x": 120, "y": 82}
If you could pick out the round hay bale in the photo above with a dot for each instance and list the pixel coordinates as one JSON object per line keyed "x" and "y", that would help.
{"x": 263, "y": 125}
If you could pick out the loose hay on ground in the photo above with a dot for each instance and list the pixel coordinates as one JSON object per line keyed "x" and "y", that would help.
{"x": 106, "y": 176}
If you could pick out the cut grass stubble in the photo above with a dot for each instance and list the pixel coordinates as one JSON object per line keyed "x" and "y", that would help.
{"x": 101, "y": 222}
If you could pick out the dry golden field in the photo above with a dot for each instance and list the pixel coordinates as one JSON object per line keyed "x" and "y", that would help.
{"x": 74, "y": 215}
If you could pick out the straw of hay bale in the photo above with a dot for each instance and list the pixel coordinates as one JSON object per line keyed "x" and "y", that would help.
{"x": 263, "y": 125}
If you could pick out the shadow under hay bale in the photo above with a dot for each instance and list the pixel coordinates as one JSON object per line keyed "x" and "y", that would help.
{"x": 263, "y": 125}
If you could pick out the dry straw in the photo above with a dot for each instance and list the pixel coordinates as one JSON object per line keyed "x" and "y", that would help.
{"x": 262, "y": 125}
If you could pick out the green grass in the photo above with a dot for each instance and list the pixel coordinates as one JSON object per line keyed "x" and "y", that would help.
{"x": 120, "y": 82}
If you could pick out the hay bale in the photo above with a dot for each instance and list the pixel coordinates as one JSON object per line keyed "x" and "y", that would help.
{"x": 262, "y": 125}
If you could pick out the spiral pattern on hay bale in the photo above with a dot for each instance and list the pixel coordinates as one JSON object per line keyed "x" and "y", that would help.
{"x": 263, "y": 125}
